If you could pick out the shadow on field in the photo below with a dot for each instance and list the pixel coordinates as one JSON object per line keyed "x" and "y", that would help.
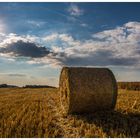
{"x": 115, "y": 123}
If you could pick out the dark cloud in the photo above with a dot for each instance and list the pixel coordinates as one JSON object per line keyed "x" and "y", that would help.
{"x": 26, "y": 49}
{"x": 124, "y": 61}
{"x": 100, "y": 58}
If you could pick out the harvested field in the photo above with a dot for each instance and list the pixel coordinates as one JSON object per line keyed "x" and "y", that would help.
{"x": 37, "y": 113}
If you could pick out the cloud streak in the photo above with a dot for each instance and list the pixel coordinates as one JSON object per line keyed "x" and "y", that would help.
{"x": 36, "y": 23}
{"x": 16, "y": 75}
{"x": 13, "y": 74}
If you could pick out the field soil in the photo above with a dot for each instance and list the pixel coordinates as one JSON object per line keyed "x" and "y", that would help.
{"x": 37, "y": 113}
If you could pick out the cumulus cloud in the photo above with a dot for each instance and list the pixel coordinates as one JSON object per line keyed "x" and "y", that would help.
{"x": 74, "y": 10}
{"x": 25, "y": 49}
{"x": 16, "y": 46}
{"x": 119, "y": 47}
{"x": 116, "y": 47}
{"x": 123, "y": 40}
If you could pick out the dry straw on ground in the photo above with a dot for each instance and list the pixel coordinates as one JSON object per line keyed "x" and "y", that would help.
{"x": 85, "y": 90}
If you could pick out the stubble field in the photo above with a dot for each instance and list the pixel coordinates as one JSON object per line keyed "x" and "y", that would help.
{"x": 29, "y": 113}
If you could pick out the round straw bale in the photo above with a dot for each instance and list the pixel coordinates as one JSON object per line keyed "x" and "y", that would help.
{"x": 85, "y": 90}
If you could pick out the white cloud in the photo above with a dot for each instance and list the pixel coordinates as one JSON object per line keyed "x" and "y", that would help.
{"x": 123, "y": 40}
{"x": 50, "y": 37}
{"x": 74, "y": 10}
{"x": 65, "y": 39}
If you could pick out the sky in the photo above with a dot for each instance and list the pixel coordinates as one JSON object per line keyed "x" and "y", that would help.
{"x": 38, "y": 39}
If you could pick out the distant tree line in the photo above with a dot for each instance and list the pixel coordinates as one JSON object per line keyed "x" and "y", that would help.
{"x": 38, "y": 86}
{"x": 26, "y": 86}
{"x": 7, "y": 86}
{"x": 129, "y": 85}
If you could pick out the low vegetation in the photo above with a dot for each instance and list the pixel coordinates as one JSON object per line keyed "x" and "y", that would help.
{"x": 26, "y": 112}
{"x": 129, "y": 85}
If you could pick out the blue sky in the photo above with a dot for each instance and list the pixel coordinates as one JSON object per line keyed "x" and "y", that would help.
{"x": 37, "y": 39}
